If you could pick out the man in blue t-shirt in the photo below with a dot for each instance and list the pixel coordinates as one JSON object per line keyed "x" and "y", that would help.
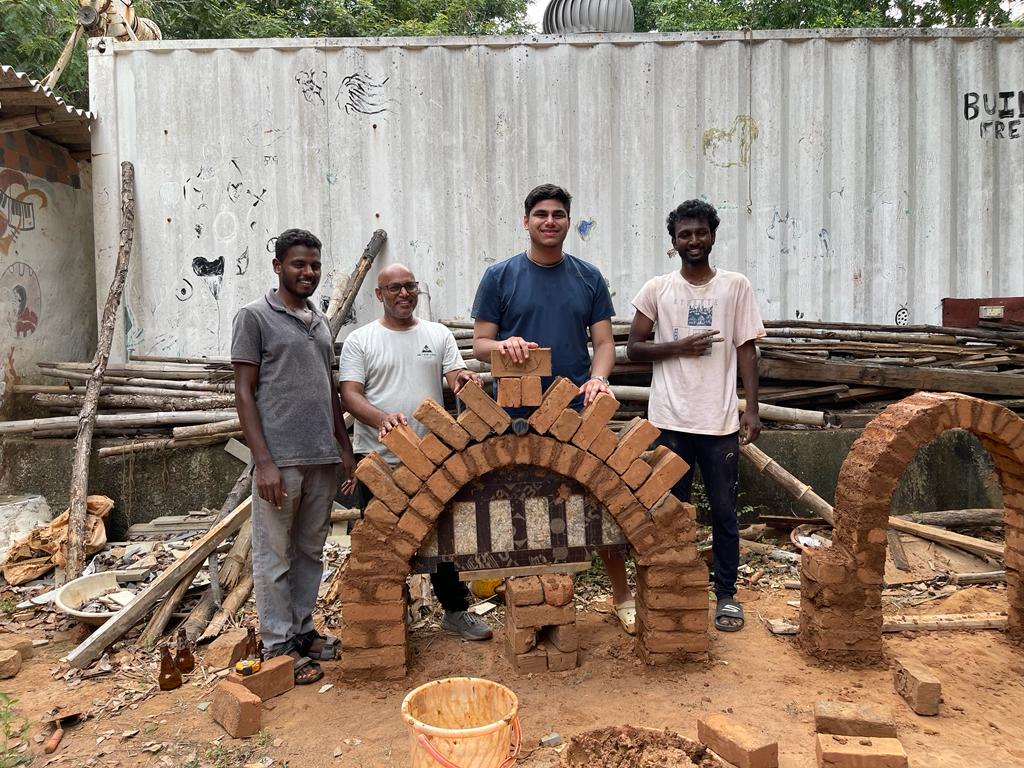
{"x": 546, "y": 298}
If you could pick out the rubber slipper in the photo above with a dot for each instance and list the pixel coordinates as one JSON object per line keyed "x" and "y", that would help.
{"x": 626, "y": 613}
{"x": 303, "y": 663}
{"x": 728, "y": 609}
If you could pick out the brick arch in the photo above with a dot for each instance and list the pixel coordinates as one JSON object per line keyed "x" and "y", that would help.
{"x": 615, "y": 469}
{"x": 841, "y": 587}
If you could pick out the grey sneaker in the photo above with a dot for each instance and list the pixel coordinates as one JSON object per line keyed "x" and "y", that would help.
{"x": 468, "y": 625}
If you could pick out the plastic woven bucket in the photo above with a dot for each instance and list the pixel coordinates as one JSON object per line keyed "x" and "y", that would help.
{"x": 462, "y": 722}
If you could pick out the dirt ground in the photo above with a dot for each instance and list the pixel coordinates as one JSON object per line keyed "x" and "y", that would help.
{"x": 761, "y": 679}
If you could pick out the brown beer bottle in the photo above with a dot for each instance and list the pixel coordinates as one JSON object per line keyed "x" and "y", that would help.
{"x": 183, "y": 659}
{"x": 170, "y": 677}
{"x": 251, "y": 648}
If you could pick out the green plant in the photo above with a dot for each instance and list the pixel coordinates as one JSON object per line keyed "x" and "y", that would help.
{"x": 8, "y": 604}
{"x": 13, "y": 727}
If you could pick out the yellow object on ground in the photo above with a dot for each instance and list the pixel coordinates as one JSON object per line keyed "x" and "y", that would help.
{"x": 484, "y": 588}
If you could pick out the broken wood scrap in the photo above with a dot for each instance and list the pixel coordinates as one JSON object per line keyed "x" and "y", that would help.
{"x": 799, "y": 490}
{"x": 912, "y": 623}
{"x": 957, "y": 518}
{"x": 337, "y": 313}
{"x": 160, "y": 618}
{"x": 235, "y": 599}
{"x": 165, "y": 444}
{"x": 970, "y": 544}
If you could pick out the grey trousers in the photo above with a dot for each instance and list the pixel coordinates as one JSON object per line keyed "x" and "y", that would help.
{"x": 287, "y": 547}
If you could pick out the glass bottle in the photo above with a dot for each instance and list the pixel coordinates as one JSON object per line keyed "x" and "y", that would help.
{"x": 170, "y": 677}
{"x": 183, "y": 658}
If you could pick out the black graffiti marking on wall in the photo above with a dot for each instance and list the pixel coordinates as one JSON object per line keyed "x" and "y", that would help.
{"x": 1006, "y": 108}
{"x": 206, "y": 268}
{"x": 311, "y": 84}
{"x": 242, "y": 262}
{"x": 256, "y": 199}
{"x": 362, "y": 94}
{"x": 184, "y": 292}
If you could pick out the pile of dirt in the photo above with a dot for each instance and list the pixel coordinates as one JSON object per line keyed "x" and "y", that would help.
{"x": 627, "y": 746}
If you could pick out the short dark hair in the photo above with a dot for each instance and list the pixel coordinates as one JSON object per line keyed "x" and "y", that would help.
{"x": 693, "y": 209}
{"x": 547, "y": 192}
{"x": 291, "y": 237}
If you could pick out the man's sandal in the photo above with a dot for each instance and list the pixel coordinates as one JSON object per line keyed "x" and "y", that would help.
{"x": 306, "y": 671}
{"x": 728, "y": 612}
{"x": 330, "y": 648}
{"x": 626, "y": 613}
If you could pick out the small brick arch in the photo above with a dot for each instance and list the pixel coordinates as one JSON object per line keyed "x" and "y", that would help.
{"x": 841, "y": 587}
{"x": 672, "y": 613}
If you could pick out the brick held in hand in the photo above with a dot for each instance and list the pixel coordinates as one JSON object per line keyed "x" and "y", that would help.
{"x": 537, "y": 364}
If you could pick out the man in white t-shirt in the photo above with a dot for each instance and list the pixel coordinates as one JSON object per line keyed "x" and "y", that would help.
{"x": 705, "y": 323}
{"x": 388, "y": 367}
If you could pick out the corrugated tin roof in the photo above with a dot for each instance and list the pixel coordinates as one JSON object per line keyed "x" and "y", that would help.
{"x": 23, "y": 97}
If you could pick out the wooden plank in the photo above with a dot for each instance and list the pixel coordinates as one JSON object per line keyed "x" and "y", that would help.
{"x": 94, "y": 645}
{"x": 523, "y": 570}
{"x": 968, "y": 543}
{"x": 891, "y": 376}
{"x": 901, "y": 623}
{"x": 899, "y": 557}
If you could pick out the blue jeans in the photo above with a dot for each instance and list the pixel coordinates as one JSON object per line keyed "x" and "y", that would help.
{"x": 718, "y": 457}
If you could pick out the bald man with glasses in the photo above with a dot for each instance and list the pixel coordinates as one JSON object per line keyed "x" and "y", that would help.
{"x": 388, "y": 367}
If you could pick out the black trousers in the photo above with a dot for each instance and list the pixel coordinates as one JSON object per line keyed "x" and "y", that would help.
{"x": 451, "y": 593}
{"x": 718, "y": 458}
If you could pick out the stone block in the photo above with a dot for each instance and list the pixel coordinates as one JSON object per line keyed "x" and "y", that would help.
{"x": 565, "y": 425}
{"x": 474, "y": 426}
{"x": 405, "y": 444}
{"x": 537, "y": 364}
{"x": 236, "y": 709}
{"x": 916, "y": 683}
{"x": 558, "y": 588}
{"x": 434, "y": 449}
{"x": 276, "y": 676}
{"x": 19, "y": 643}
{"x": 564, "y": 637}
{"x": 226, "y": 649}
{"x": 532, "y": 393}
{"x": 664, "y": 475}
{"x": 594, "y": 418}
{"x": 844, "y": 718}
{"x": 558, "y": 396}
{"x": 10, "y": 663}
{"x": 543, "y": 615}
{"x": 435, "y": 418}
{"x": 510, "y": 393}
{"x": 736, "y": 742}
{"x": 835, "y": 751}
{"x": 633, "y": 441}
{"x": 524, "y": 590}
{"x": 605, "y": 442}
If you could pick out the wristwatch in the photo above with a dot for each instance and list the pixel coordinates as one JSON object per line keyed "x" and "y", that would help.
{"x": 602, "y": 379}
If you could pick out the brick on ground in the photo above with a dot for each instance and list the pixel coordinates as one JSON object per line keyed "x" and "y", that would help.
{"x": 276, "y": 676}
{"x": 916, "y": 683}
{"x": 226, "y": 649}
{"x": 537, "y": 364}
{"x": 19, "y": 643}
{"x": 836, "y": 751}
{"x": 10, "y": 663}
{"x": 236, "y": 709}
{"x": 844, "y": 718}
{"x": 736, "y": 742}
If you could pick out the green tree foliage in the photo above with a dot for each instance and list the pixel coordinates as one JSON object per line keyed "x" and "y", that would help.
{"x": 695, "y": 15}
{"x": 33, "y": 32}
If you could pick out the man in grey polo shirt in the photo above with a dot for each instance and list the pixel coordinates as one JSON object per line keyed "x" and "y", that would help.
{"x": 283, "y": 352}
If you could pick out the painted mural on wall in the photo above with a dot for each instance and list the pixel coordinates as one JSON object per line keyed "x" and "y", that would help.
{"x": 20, "y": 286}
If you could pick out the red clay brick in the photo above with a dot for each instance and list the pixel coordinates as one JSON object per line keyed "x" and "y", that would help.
{"x": 844, "y": 718}
{"x": 537, "y": 364}
{"x": 378, "y": 612}
{"x": 689, "y": 600}
{"x": 226, "y": 649}
{"x": 459, "y": 469}
{"x": 604, "y": 443}
{"x": 565, "y": 425}
{"x": 510, "y": 393}
{"x": 375, "y": 475}
{"x": 520, "y": 639}
{"x": 638, "y": 471}
{"x": 380, "y": 517}
{"x": 594, "y": 417}
{"x": 524, "y": 590}
{"x": 276, "y": 676}
{"x": 442, "y": 485}
{"x": 414, "y": 525}
{"x": 20, "y": 643}
{"x": 236, "y": 709}
{"x": 736, "y": 742}
{"x": 543, "y": 615}
{"x": 566, "y": 459}
{"x": 916, "y": 683}
{"x": 531, "y": 662}
{"x": 476, "y": 427}
{"x": 659, "y": 576}
{"x": 834, "y": 751}
{"x": 560, "y": 661}
{"x": 406, "y": 480}
{"x": 428, "y": 506}
{"x": 374, "y": 658}
{"x": 532, "y": 393}
{"x": 665, "y": 474}
{"x": 439, "y": 421}
{"x": 695, "y": 620}
{"x": 632, "y": 442}
{"x": 564, "y": 637}
{"x": 558, "y": 588}
{"x": 405, "y": 444}
{"x": 434, "y": 449}
{"x": 558, "y": 396}
{"x": 478, "y": 401}
{"x": 542, "y": 450}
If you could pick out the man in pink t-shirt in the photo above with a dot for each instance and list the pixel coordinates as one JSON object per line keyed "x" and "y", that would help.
{"x": 705, "y": 322}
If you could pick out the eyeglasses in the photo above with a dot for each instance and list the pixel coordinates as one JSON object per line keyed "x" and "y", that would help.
{"x": 396, "y": 288}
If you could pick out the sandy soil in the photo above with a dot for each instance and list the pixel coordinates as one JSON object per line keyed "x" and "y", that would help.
{"x": 759, "y": 678}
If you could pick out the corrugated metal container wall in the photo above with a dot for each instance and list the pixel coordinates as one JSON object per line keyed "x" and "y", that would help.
{"x": 857, "y": 172}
